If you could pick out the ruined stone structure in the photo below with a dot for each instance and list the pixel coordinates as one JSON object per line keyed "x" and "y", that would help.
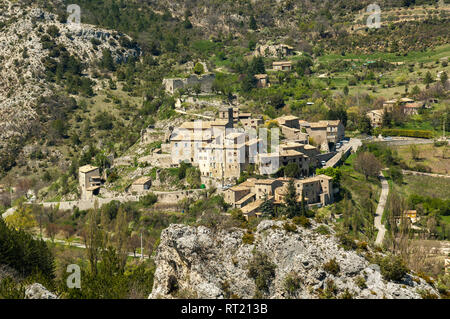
{"x": 274, "y": 51}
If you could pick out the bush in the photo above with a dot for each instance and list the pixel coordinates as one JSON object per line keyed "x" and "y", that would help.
{"x": 292, "y": 283}
{"x": 392, "y": 268}
{"x": 360, "y": 281}
{"x": 407, "y": 133}
{"x": 347, "y": 242}
{"x": 302, "y": 221}
{"x": 148, "y": 200}
{"x": 346, "y": 294}
{"x": 248, "y": 238}
{"x": 21, "y": 252}
{"x": 426, "y": 294}
{"x": 262, "y": 270}
{"x": 332, "y": 267}
{"x": 323, "y": 230}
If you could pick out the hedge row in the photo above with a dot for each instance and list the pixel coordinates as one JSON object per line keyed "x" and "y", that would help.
{"x": 407, "y": 133}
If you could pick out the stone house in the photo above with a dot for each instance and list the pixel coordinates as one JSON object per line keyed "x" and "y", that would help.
{"x": 250, "y": 195}
{"x": 90, "y": 181}
{"x": 290, "y": 128}
{"x": 315, "y": 190}
{"x": 413, "y": 108}
{"x": 376, "y": 117}
{"x": 270, "y": 163}
{"x": 282, "y": 65}
{"x": 141, "y": 185}
{"x": 324, "y": 132}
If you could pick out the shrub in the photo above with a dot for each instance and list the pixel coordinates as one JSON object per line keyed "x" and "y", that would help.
{"x": 323, "y": 230}
{"x": 346, "y": 294}
{"x": 262, "y": 270}
{"x": 302, "y": 221}
{"x": 292, "y": 283}
{"x": 332, "y": 267}
{"x": 248, "y": 238}
{"x": 289, "y": 227}
{"x": 426, "y": 294}
{"x": 392, "y": 268}
{"x": 148, "y": 200}
{"x": 347, "y": 242}
{"x": 360, "y": 281}
{"x": 362, "y": 245}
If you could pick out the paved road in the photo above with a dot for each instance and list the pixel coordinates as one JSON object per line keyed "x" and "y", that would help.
{"x": 193, "y": 114}
{"x": 399, "y": 141}
{"x": 406, "y": 172}
{"x": 380, "y": 209}
{"x": 352, "y": 146}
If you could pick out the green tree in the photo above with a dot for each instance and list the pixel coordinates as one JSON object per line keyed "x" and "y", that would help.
{"x": 267, "y": 208}
{"x": 444, "y": 78}
{"x": 365, "y": 126}
{"x": 107, "y": 61}
{"x": 292, "y": 170}
{"x": 22, "y": 218}
{"x": 252, "y": 23}
{"x": 346, "y": 90}
{"x": 428, "y": 78}
{"x": 292, "y": 207}
{"x": 93, "y": 238}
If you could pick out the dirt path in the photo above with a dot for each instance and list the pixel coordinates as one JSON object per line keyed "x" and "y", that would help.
{"x": 380, "y": 209}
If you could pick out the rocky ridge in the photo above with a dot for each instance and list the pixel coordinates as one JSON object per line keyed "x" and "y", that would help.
{"x": 206, "y": 263}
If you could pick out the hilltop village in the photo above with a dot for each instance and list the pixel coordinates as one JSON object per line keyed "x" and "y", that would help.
{"x": 224, "y": 149}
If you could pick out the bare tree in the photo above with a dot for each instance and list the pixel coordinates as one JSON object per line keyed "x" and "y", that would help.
{"x": 415, "y": 153}
{"x": 367, "y": 164}
{"x": 93, "y": 238}
{"x": 121, "y": 235}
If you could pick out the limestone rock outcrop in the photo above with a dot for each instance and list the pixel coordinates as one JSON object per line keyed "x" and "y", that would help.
{"x": 210, "y": 263}
{"x": 37, "y": 291}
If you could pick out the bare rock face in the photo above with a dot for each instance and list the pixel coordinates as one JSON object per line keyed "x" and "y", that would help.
{"x": 37, "y": 291}
{"x": 205, "y": 263}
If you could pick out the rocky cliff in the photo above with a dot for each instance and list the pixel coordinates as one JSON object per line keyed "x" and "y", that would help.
{"x": 275, "y": 263}
{"x": 22, "y": 61}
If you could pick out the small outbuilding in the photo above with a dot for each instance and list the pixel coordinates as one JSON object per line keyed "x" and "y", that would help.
{"x": 141, "y": 185}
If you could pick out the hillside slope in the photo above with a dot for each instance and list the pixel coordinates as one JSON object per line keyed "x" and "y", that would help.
{"x": 33, "y": 44}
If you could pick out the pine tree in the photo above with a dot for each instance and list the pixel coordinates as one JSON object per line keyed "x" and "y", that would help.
{"x": 444, "y": 78}
{"x": 428, "y": 78}
{"x": 267, "y": 208}
{"x": 292, "y": 207}
{"x": 252, "y": 23}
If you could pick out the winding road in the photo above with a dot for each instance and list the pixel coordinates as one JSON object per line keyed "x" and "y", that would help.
{"x": 380, "y": 209}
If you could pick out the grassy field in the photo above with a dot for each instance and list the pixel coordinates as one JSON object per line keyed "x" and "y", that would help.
{"x": 356, "y": 183}
{"x": 390, "y": 83}
{"x": 429, "y": 155}
{"x": 424, "y": 186}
